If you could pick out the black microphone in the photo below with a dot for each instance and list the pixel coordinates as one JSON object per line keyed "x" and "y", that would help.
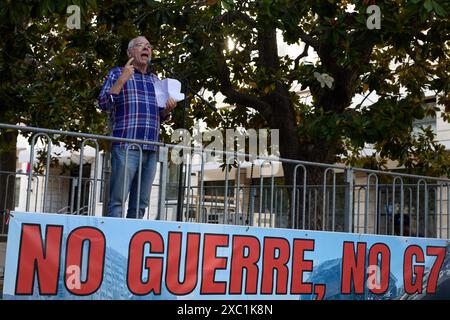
{"x": 156, "y": 61}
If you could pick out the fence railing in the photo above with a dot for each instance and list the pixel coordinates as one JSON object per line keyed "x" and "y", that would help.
{"x": 253, "y": 192}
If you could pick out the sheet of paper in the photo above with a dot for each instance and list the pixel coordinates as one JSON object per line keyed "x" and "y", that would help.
{"x": 168, "y": 88}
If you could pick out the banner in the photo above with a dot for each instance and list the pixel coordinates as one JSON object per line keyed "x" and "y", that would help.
{"x": 53, "y": 256}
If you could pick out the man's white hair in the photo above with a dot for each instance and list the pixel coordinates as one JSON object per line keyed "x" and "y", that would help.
{"x": 131, "y": 43}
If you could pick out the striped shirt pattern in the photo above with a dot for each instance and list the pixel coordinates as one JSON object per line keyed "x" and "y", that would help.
{"x": 134, "y": 113}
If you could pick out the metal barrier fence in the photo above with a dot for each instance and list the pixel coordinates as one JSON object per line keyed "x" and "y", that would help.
{"x": 319, "y": 197}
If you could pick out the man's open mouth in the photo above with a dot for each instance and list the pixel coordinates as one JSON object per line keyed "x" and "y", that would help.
{"x": 144, "y": 55}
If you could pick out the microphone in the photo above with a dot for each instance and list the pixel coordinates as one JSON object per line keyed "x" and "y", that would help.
{"x": 156, "y": 61}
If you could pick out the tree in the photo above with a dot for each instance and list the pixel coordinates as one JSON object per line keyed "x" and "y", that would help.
{"x": 408, "y": 54}
{"x": 47, "y": 73}
{"x": 359, "y": 60}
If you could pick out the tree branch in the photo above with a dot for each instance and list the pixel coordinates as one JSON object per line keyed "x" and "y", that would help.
{"x": 300, "y": 56}
{"x": 306, "y": 38}
{"x": 267, "y": 48}
{"x": 232, "y": 16}
{"x": 227, "y": 89}
{"x": 267, "y": 43}
{"x": 292, "y": 74}
{"x": 223, "y": 73}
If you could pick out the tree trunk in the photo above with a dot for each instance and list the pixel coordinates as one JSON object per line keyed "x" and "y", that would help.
{"x": 283, "y": 119}
{"x": 314, "y": 184}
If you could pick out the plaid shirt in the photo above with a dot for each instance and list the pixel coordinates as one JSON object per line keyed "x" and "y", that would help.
{"x": 134, "y": 113}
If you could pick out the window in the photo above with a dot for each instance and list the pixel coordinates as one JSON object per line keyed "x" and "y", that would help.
{"x": 217, "y": 188}
{"x": 427, "y": 121}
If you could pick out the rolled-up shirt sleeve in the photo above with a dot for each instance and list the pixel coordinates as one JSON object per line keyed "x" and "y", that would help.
{"x": 106, "y": 100}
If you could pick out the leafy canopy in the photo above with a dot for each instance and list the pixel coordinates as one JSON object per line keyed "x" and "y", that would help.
{"x": 51, "y": 75}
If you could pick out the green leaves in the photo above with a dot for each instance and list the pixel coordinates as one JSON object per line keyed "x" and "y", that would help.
{"x": 433, "y": 5}
{"x": 51, "y": 73}
{"x": 428, "y": 5}
{"x": 227, "y": 4}
{"x": 438, "y": 9}
{"x": 405, "y": 57}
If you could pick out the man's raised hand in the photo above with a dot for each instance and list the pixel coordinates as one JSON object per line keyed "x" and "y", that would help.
{"x": 128, "y": 70}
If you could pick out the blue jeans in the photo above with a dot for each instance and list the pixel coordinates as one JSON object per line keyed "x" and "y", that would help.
{"x": 116, "y": 191}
